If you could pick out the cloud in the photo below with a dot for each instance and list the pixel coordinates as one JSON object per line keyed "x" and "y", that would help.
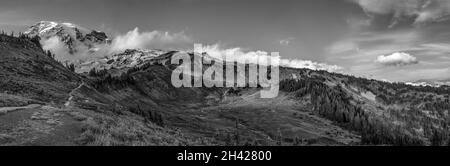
{"x": 149, "y": 40}
{"x": 396, "y": 7}
{"x": 82, "y": 54}
{"x": 342, "y": 47}
{"x": 61, "y": 51}
{"x": 427, "y": 74}
{"x": 56, "y": 46}
{"x": 286, "y": 41}
{"x": 421, "y": 11}
{"x": 358, "y": 22}
{"x": 430, "y": 50}
{"x": 369, "y": 45}
{"x": 253, "y": 56}
{"x": 437, "y": 49}
{"x": 397, "y": 59}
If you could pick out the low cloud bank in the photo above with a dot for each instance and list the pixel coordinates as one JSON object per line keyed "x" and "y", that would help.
{"x": 61, "y": 51}
{"x": 150, "y": 40}
{"x": 397, "y": 59}
{"x": 253, "y": 56}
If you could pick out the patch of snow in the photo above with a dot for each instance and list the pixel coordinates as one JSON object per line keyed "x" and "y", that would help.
{"x": 369, "y": 95}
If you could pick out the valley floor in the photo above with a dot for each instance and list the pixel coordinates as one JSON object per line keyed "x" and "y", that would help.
{"x": 238, "y": 120}
{"x": 256, "y": 121}
{"x": 38, "y": 125}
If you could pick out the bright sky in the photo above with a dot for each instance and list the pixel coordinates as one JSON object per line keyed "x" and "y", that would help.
{"x": 397, "y": 40}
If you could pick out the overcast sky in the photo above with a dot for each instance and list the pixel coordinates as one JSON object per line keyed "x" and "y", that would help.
{"x": 397, "y": 40}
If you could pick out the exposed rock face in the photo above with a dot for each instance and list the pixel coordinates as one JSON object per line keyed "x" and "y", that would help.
{"x": 95, "y": 36}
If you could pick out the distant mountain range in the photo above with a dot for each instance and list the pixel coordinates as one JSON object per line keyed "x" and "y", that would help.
{"x": 430, "y": 82}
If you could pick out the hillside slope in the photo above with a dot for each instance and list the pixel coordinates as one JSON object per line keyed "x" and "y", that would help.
{"x": 38, "y": 105}
{"x": 329, "y": 108}
{"x": 28, "y": 72}
{"x": 128, "y": 99}
{"x": 382, "y": 112}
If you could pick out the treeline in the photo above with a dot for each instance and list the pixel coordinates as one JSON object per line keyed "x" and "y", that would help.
{"x": 437, "y": 106}
{"x": 24, "y": 41}
{"x": 426, "y": 112}
{"x": 68, "y": 65}
{"x": 148, "y": 115}
{"x": 98, "y": 73}
{"x": 21, "y": 39}
{"x": 103, "y": 80}
{"x": 335, "y": 104}
{"x": 330, "y": 103}
{"x": 435, "y": 129}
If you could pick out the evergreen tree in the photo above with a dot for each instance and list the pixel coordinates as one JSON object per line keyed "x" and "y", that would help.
{"x": 37, "y": 41}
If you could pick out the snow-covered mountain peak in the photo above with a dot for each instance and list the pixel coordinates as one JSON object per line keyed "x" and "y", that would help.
{"x": 126, "y": 59}
{"x": 73, "y": 36}
{"x": 41, "y": 27}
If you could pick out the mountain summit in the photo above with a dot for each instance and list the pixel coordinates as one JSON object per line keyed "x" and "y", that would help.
{"x": 73, "y": 36}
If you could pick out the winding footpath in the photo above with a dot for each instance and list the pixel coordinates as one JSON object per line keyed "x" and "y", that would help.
{"x": 41, "y": 125}
{"x": 69, "y": 101}
{"x": 5, "y": 110}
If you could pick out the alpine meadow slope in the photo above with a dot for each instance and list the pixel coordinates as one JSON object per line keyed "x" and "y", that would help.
{"x": 127, "y": 98}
